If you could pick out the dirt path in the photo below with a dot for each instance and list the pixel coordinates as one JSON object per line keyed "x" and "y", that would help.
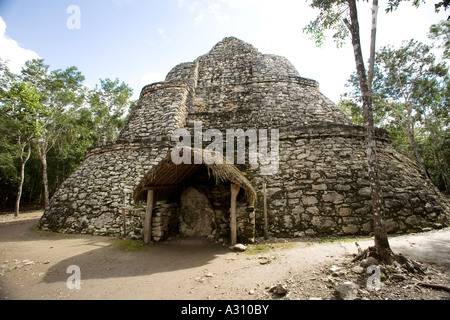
{"x": 33, "y": 265}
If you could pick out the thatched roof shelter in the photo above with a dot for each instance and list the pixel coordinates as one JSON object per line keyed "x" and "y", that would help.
{"x": 166, "y": 174}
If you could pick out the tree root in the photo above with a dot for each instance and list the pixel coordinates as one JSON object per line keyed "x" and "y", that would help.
{"x": 382, "y": 255}
{"x": 387, "y": 257}
{"x": 396, "y": 268}
{"x": 433, "y": 286}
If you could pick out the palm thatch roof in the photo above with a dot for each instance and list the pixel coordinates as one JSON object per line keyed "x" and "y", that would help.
{"x": 167, "y": 174}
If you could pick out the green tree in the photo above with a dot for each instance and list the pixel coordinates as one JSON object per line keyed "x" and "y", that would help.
{"x": 353, "y": 110}
{"x": 8, "y": 172}
{"x": 109, "y": 102}
{"x": 341, "y": 16}
{"x": 6, "y": 77}
{"x": 19, "y": 112}
{"x": 410, "y": 95}
{"x": 61, "y": 95}
{"x": 409, "y": 74}
{"x": 440, "y": 32}
{"x": 69, "y": 119}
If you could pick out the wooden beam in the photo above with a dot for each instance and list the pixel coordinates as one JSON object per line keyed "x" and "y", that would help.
{"x": 124, "y": 214}
{"x": 187, "y": 171}
{"x": 148, "y": 217}
{"x": 158, "y": 187}
{"x": 233, "y": 223}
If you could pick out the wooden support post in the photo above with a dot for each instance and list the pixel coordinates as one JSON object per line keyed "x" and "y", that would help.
{"x": 148, "y": 217}
{"x": 124, "y": 214}
{"x": 266, "y": 224}
{"x": 233, "y": 224}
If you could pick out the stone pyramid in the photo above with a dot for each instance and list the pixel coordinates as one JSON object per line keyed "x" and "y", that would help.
{"x": 320, "y": 185}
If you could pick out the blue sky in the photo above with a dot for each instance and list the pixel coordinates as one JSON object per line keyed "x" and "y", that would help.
{"x": 139, "y": 41}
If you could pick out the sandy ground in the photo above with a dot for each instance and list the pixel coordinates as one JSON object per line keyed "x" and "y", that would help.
{"x": 33, "y": 265}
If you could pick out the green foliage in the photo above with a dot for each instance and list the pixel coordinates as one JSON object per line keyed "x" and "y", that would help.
{"x": 330, "y": 17}
{"x": 333, "y": 13}
{"x": 19, "y": 111}
{"x": 55, "y": 111}
{"x": 109, "y": 104}
{"x": 394, "y": 4}
{"x": 442, "y": 4}
{"x": 410, "y": 79}
{"x": 353, "y": 110}
{"x": 440, "y": 32}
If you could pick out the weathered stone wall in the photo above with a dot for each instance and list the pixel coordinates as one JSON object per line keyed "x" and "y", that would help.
{"x": 161, "y": 110}
{"x": 220, "y": 198}
{"x": 321, "y": 187}
{"x": 90, "y": 200}
{"x": 235, "y": 86}
{"x": 166, "y": 216}
{"x": 163, "y": 216}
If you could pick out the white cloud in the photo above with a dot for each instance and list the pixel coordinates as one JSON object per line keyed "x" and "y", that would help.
{"x": 216, "y": 10}
{"x": 162, "y": 33}
{"x": 198, "y": 19}
{"x": 150, "y": 78}
{"x": 12, "y": 52}
{"x": 146, "y": 79}
{"x": 194, "y": 6}
{"x": 197, "y": 9}
{"x": 276, "y": 27}
{"x": 213, "y": 8}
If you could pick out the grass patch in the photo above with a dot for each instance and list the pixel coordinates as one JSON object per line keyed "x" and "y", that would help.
{"x": 258, "y": 248}
{"x": 329, "y": 239}
{"x": 266, "y": 247}
{"x": 50, "y": 234}
{"x": 341, "y": 239}
{"x": 130, "y": 245}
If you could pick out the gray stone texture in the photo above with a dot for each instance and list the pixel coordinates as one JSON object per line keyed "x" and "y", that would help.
{"x": 320, "y": 189}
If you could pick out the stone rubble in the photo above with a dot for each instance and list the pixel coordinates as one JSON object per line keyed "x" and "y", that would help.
{"x": 352, "y": 281}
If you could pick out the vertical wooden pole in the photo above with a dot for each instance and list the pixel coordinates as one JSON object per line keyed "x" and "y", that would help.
{"x": 148, "y": 217}
{"x": 266, "y": 224}
{"x": 124, "y": 214}
{"x": 233, "y": 224}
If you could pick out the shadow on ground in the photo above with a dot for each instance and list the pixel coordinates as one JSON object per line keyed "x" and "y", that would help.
{"x": 102, "y": 257}
{"x": 113, "y": 261}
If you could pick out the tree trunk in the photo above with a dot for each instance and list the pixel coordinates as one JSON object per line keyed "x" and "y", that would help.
{"x": 440, "y": 158}
{"x": 45, "y": 181}
{"x": 22, "y": 176}
{"x": 381, "y": 240}
{"x": 412, "y": 141}
{"x": 373, "y": 37}
{"x": 439, "y": 161}
{"x": 43, "y": 156}
{"x": 148, "y": 216}
{"x": 233, "y": 223}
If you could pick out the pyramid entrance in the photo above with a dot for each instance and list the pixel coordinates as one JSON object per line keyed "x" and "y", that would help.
{"x": 196, "y": 200}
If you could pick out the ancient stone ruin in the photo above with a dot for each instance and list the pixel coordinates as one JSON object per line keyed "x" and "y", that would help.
{"x": 316, "y": 186}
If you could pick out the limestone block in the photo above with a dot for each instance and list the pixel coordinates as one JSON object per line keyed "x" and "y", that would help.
{"x": 196, "y": 213}
{"x": 333, "y": 197}
{"x": 309, "y": 201}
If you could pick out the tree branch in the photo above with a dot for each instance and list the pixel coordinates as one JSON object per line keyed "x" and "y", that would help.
{"x": 372, "y": 45}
